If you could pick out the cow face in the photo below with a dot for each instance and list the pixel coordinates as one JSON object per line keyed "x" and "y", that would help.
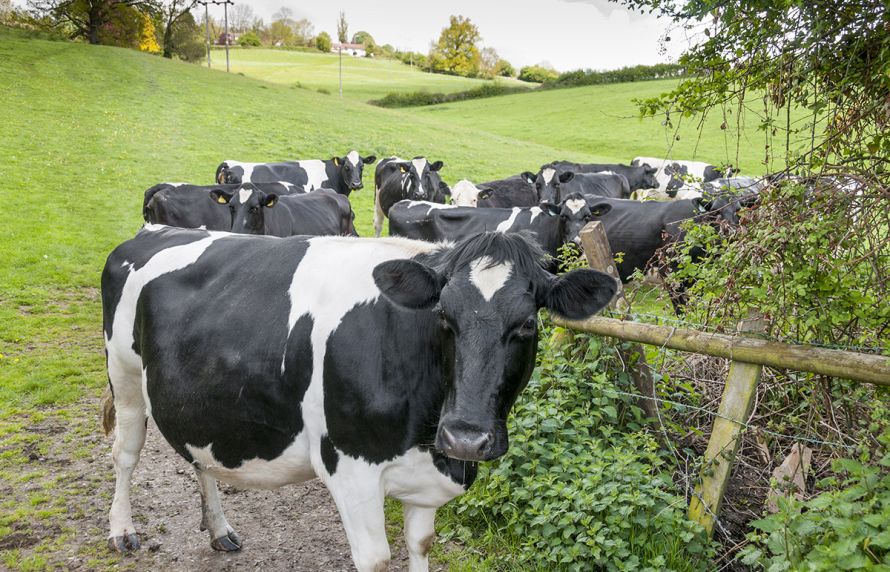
{"x": 351, "y": 169}
{"x": 465, "y": 194}
{"x": 420, "y": 179}
{"x": 484, "y": 295}
{"x": 548, "y": 183}
{"x": 724, "y": 205}
{"x": 247, "y": 208}
{"x": 648, "y": 179}
{"x": 574, "y": 213}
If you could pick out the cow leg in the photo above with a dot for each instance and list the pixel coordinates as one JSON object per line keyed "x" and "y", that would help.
{"x": 129, "y": 438}
{"x": 378, "y": 214}
{"x": 420, "y": 534}
{"x": 360, "y": 503}
{"x": 222, "y": 536}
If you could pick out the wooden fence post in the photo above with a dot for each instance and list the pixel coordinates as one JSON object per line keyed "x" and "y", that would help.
{"x": 599, "y": 257}
{"x": 732, "y": 415}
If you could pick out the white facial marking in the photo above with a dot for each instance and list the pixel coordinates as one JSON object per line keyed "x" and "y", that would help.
{"x": 464, "y": 194}
{"x": 535, "y": 212}
{"x": 315, "y": 172}
{"x": 575, "y": 205}
{"x": 244, "y": 195}
{"x": 419, "y": 164}
{"x": 505, "y": 226}
{"x": 489, "y": 279}
{"x": 548, "y": 175}
{"x": 353, "y": 158}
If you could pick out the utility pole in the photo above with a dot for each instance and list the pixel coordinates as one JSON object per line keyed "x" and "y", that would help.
{"x": 207, "y": 29}
{"x": 225, "y": 4}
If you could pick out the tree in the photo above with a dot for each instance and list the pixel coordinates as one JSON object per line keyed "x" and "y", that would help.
{"x": 456, "y": 52}
{"x": 281, "y": 33}
{"x": 504, "y": 69}
{"x": 342, "y": 28}
{"x": 249, "y": 40}
{"x": 283, "y": 13}
{"x": 323, "y": 42}
{"x": 303, "y": 31}
{"x": 187, "y": 38}
{"x": 88, "y": 19}
{"x": 148, "y": 41}
{"x": 240, "y": 17}
{"x": 174, "y": 11}
{"x": 488, "y": 61}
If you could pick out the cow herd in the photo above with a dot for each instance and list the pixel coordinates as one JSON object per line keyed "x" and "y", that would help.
{"x": 271, "y": 345}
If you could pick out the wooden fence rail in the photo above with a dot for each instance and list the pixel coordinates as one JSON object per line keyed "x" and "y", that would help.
{"x": 748, "y": 355}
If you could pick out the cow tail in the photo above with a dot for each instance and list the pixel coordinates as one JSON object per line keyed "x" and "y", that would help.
{"x": 108, "y": 412}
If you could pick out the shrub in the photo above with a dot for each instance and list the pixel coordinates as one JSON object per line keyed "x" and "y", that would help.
{"x": 843, "y": 529}
{"x": 323, "y": 42}
{"x": 249, "y": 40}
{"x": 582, "y": 486}
{"x": 419, "y": 98}
{"x": 537, "y": 74}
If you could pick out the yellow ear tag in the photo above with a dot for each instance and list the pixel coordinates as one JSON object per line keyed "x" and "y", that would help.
{"x": 221, "y": 200}
{"x": 403, "y": 169}
{"x": 336, "y": 161}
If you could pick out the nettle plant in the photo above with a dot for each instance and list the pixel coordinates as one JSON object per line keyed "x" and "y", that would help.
{"x": 584, "y": 485}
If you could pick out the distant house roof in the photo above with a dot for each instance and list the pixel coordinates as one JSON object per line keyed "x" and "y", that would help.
{"x": 347, "y": 46}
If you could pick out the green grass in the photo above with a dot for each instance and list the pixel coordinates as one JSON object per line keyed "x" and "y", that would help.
{"x": 602, "y": 122}
{"x": 363, "y": 78}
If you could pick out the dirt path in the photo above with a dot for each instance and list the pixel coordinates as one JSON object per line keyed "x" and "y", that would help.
{"x": 296, "y": 528}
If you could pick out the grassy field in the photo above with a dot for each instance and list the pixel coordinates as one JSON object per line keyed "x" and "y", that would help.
{"x": 363, "y": 78}
{"x": 603, "y": 123}
{"x": 86, "y": 129}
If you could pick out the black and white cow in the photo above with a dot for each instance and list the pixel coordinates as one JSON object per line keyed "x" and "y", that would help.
{"x": 550, "y": 225}
{"x": 342, "y": 174}
{"x": 253, "y": 211}
{"x": 553, "y": 185}
{"x": 190, "y": 206}
{"x": 672, "y": 175}
{"x": 516, "y": 191}
{"x": 396, "y": 179}
{"x": 638, "y": 230}
{"x": 639, "y": 176}
{"x": 383, "y": 367}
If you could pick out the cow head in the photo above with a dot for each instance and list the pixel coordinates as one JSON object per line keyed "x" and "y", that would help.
{"x": 247, "y": 208}
{"x": 227, "y": 174}
{"x": 574, "y": 213}
{"x": 465, "y": 194}
{"x": 420, "y": 180}
{"x": 485, "y": 293}
{"x": 548, "y": 183}
{"x": 351, "y": 169}
{"x": 648, "y": 180}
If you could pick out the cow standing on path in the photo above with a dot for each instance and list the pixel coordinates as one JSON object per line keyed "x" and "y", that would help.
{"x": 384, "y": 367}
{"x": 342, "y": 174}
{"x": 397, "y": 179}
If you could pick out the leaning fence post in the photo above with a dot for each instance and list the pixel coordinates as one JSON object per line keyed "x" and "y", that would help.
{"x": 599, "y": 256}
{"x": 726, "y": 434}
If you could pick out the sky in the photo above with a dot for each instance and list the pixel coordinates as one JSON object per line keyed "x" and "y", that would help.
{"x": 566, "y": 34}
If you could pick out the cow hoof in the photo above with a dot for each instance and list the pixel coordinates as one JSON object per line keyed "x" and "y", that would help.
{"x": 228, "y": 543}
{"x": 124, "y": 543}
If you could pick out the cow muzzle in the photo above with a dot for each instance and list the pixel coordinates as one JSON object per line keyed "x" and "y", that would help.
{"x": 466, "y": 444}
{"x": 357, "y": 186}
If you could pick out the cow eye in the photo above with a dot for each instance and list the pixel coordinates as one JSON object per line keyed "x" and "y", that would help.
{"x": 254, "y": 210}
{"x": 529, "y": 326}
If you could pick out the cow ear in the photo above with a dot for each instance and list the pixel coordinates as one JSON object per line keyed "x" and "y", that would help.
{"x": 485, "y": 193}
{"x": 221, "y": 196}
{"x": 369, "y": 160}
{"x": 270, "y": 200}
{"x": 336, "y": 161}
{"x": 529, "y": 177}
{"x": 566, "y": 177}
{"x": 403, "y": 168}
{"x": 436, "y": 166}
{"x": 578, "y": 294}
{"x": 550, "y": 209}
{"x": 650, "y": 170}
{"x": 444, "y": 188}
{"x": 599, "y": 209}
{"x": 408, "y": 284}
